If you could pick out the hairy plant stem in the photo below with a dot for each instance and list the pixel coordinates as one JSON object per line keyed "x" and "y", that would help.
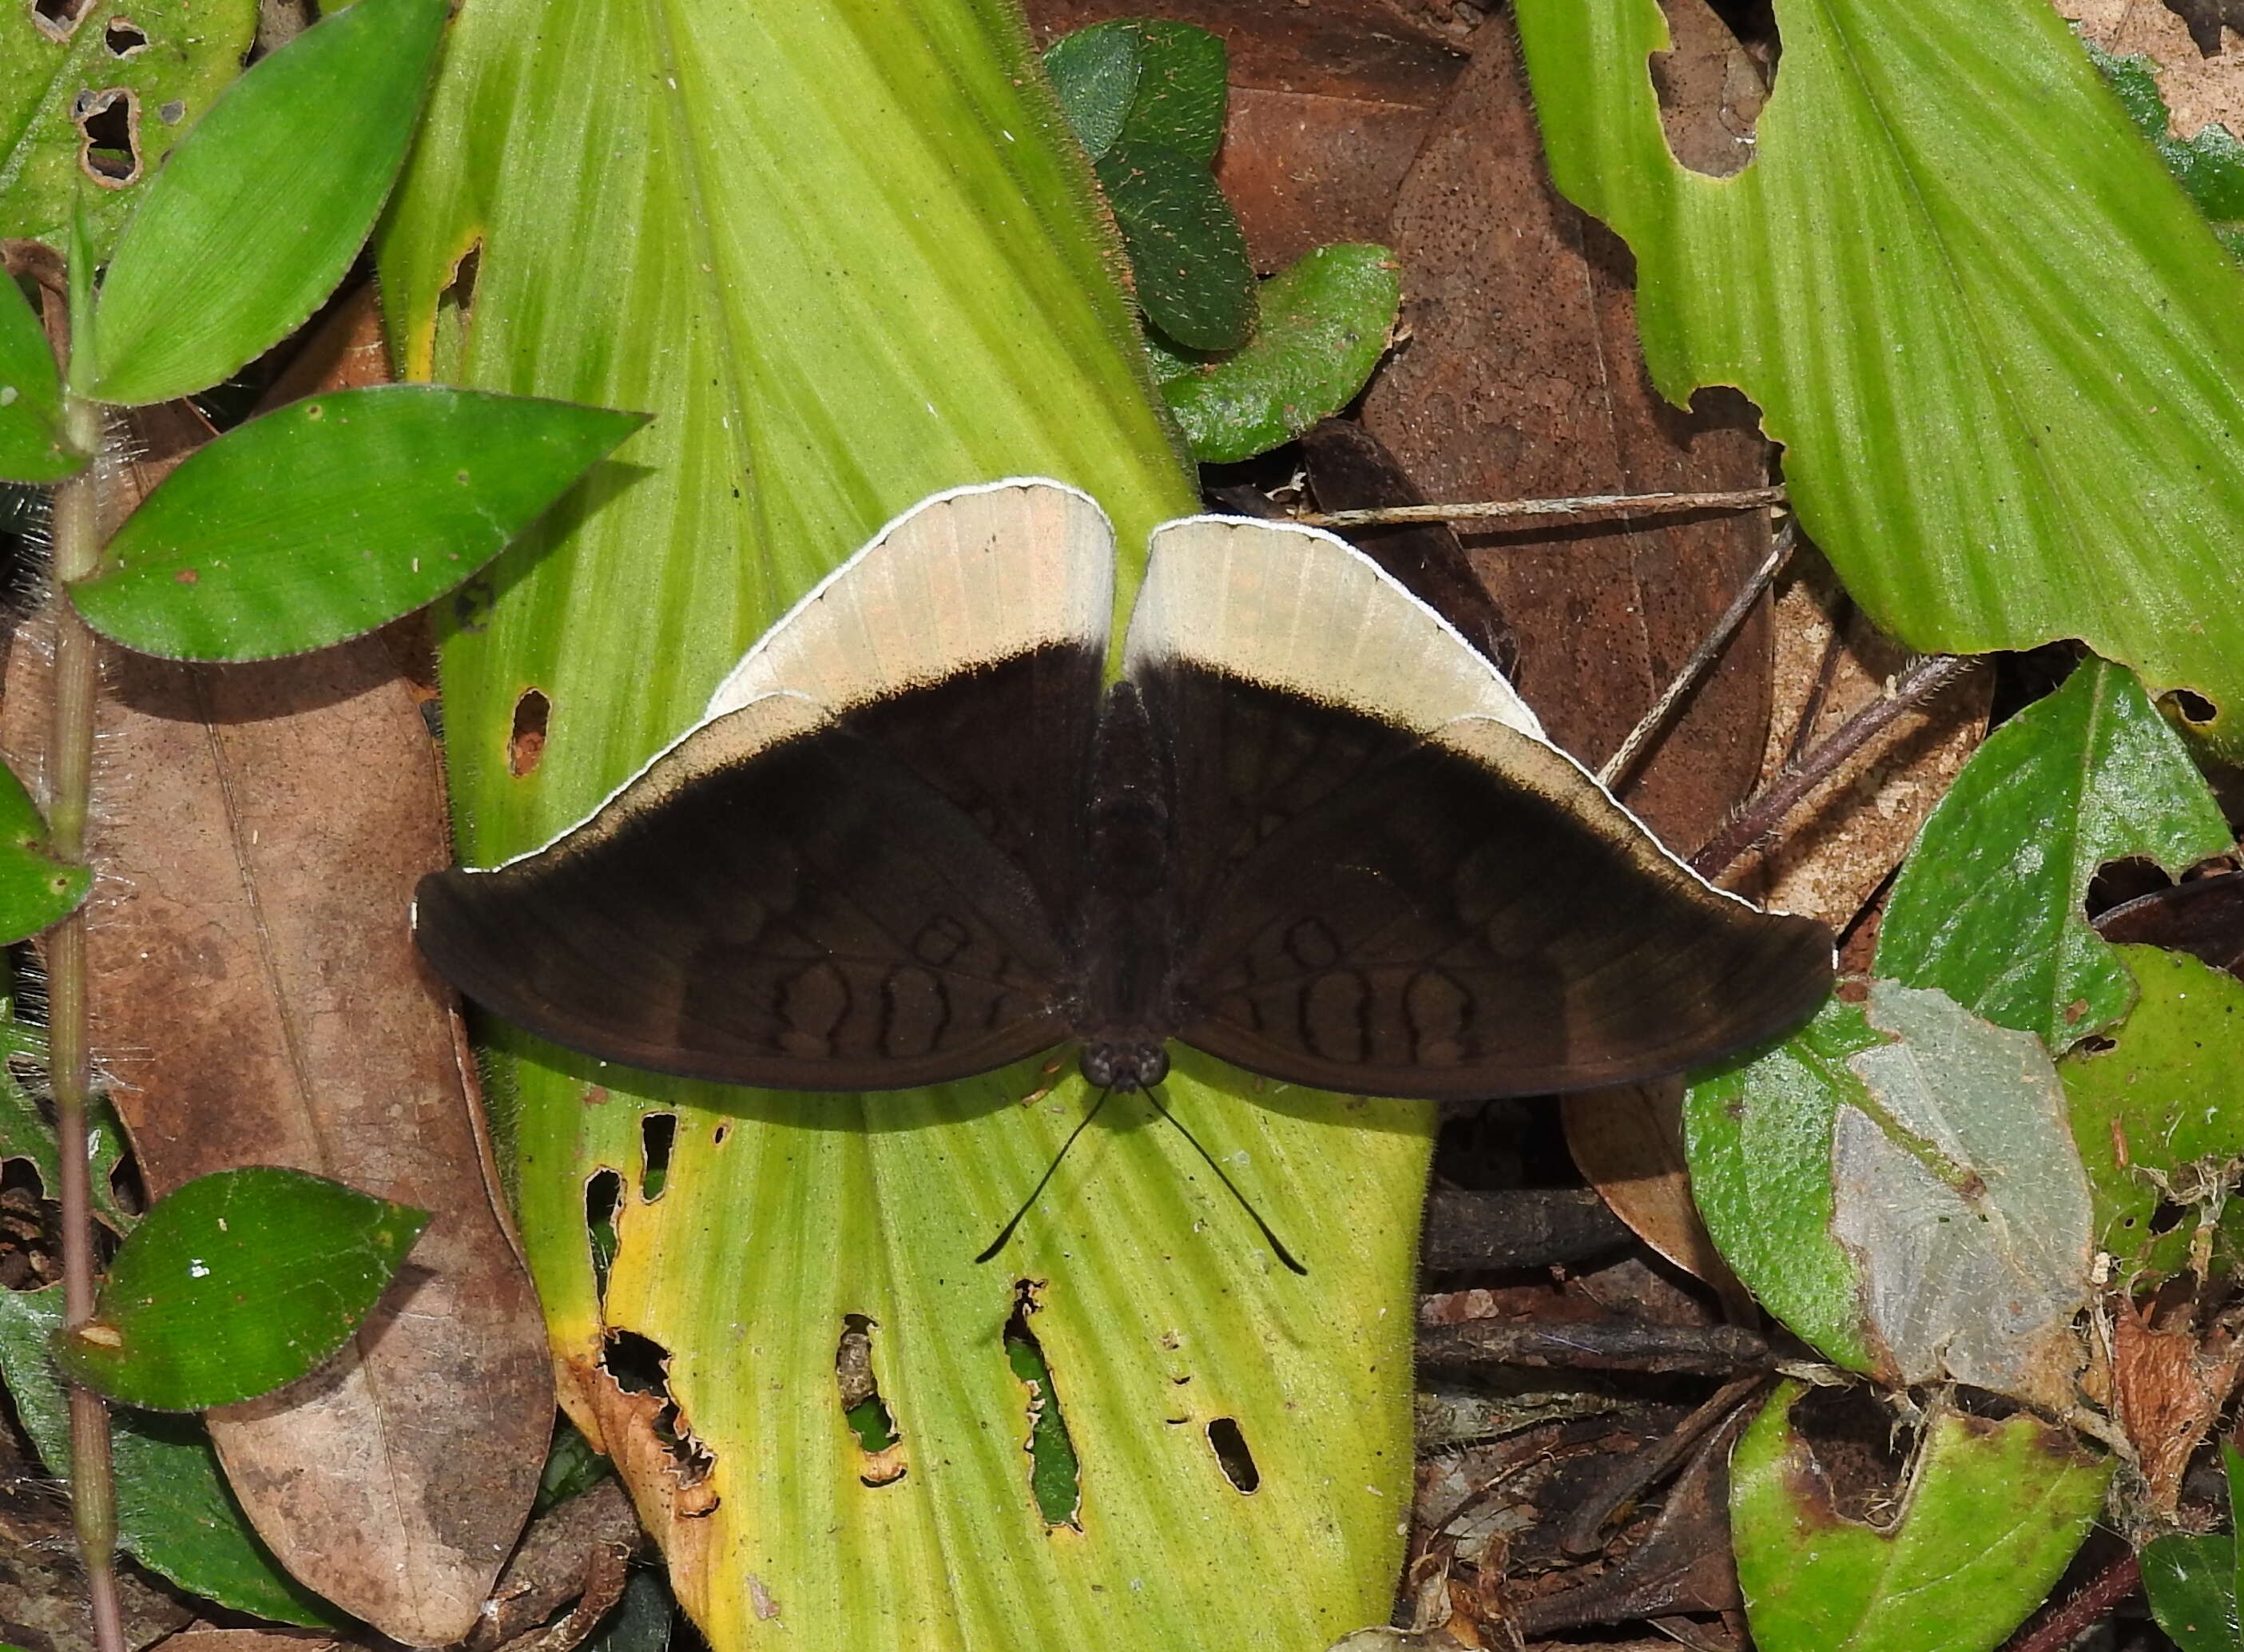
{"x": 70, "y": 769}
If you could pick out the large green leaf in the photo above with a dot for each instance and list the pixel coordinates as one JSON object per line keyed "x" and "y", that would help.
{"x": 849, "y": 256}
{"x": 1988, "y": 907}
{"x": 254, "y": 221}
{"x": 2004, "y": 354}
{"x": 233, "y": 1284}
{"x": 1990, "y": 1513}
{"x": 334, "y": 515}
{"x": 175, "y": 1511}
{"x": 165, "y": 61}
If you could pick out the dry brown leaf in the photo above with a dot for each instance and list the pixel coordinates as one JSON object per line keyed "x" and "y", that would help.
{"x": 202, "y": 1637}
{"x": 1831, "y": 854}
{"x": 1628, "y": 1143}
{"x": 1522, "y": 379}
{"x": 257, "y": 999}
{"x": 2169, "y": 1386}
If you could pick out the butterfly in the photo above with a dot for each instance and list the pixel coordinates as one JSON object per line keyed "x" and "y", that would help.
{"x": 1308, "y": 830}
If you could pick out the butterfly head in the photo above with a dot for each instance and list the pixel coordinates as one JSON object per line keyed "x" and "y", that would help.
{"x": 1125, "y": 1063}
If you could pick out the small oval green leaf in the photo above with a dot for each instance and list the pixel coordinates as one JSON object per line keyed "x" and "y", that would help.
{"x": 32, "y": 446}
{"x": 1326, "y": 321}
{"x": 258, "y": 213}
{"x": 2192, "y": 1581}
{"x": 1987, "y": 906}
{"x": 1094, "y": 73}
{"x": 1991, "y": 1514}
{"x": 36, "y": 889}
{"x": 1187, "y": 252}
{"x": 1182, "y": 90}
{"x": 336, "y": 514}
{"x": 235, "y": 1284}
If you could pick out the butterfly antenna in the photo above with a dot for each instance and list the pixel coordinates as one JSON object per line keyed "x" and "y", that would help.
{"x": 1030, "y": 1203}
{"x": 1277, "y": 1247}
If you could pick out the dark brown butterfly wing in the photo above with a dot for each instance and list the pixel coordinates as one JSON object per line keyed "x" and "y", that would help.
{"x": 854, "y": 877}
{"x": 1391, "y": 883}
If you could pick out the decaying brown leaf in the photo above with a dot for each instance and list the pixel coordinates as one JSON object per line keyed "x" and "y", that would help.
{"x": 2169, "y": 1383}
{"x": 1628, "y": 1144}
{"x": 257, "y": 999}
{"x": 1521, "y": 379}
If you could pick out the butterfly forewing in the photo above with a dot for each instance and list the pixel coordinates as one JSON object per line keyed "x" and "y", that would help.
{"x": 1397, "y": 886}
{"x": 857, "y": 873}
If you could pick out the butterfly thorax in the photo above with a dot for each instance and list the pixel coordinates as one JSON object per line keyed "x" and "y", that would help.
{"x": 1124, "y": 936}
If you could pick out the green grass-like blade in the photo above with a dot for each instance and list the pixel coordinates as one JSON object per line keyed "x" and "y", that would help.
{"x": 293, "y": 162}
{"x": 2004, "y": 353}
{"x": 334, "y": 515}
{"x": 850, "y": 256}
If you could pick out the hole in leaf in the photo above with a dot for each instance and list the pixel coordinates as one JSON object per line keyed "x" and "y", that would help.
{"x": 2192, "y": 708}
{"x": 456, "y": 313}
{"x": 639, "y": 1365}
{"x": 2119, "y": 882}
{"x": 717, "y": 1136}
{"x": 58, "y": 19}
{"x": 862, "y": 1408}
{"x": 124, "y": 37}
{"x": 525, "y": 747}
{"x": 2168, "y": 1216}
{"x": 2095, "y": 1044}
{"x": 1055, "y": 1478}
{"x": 604, "y": 1191}
{"x": 109, "y": 130}
{"x": 657, "y": 1132}
{"x": 1230, "y": 1446}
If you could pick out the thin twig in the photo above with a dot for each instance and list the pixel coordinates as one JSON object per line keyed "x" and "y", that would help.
{"x": 1710, "y": 646}
{"x": 1767, "y": 811}
{"x": 2070, "y": 1621}
{"x": 1586, "y": 505}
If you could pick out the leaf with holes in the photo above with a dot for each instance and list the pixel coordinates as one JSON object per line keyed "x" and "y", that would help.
{"x": 1989, "y": 1516}
{"x": 843, "y": 178}
{"x": 334, "y": 515}
{"x": 93, "y": 96}
{"x": 1898, "y": 1185}
{"x": 294, "y": 161}
{"x": 33, "y": 447}
{"x": 1988, "y": 907}
{"x": 1187, "y": 252}
{"x": 2193, "y": 1580}
{"x": 2158, "y": 1107}
{"x": 174, "y": 1512}
{"x": 233, "y": 1284}
{"x": 1325, "y": 323}
{"x": 36, "y": 889}
{"x": 2003, "y": 352}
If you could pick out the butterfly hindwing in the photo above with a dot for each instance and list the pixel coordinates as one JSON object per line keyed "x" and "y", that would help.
{"x": 1397, "y": 886}
{"x": 854, "y": 875}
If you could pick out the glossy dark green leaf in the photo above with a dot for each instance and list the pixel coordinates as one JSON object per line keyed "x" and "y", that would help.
{"x": 258, "y": 213}
{"x": 1987, "y": 906}
{"x": 1325, "y": 323}
{"x": 36, "y": 889}
{"x": 1187, "y": 252}
{"x": 2195, "y": 1582}
{"x": 1094, "y": 73}
{"x": 175, "y": 1513}
{"x": 1181, "y": 91}
{"x": 235, "y": 1284}
{"x": 336, "y": 514}
{"x": 32, "y": 444}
